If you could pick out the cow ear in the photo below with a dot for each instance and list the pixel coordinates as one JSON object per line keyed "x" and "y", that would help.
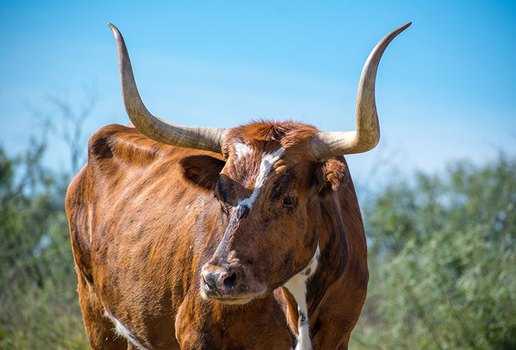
{"x": 328, "y": 176}
{"x": 202, "y": 170}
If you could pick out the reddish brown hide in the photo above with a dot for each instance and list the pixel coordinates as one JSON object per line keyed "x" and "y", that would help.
{"x": 144, "y": 221}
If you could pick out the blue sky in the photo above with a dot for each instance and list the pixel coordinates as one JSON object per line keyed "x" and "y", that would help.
{"x": 446, "y": 87}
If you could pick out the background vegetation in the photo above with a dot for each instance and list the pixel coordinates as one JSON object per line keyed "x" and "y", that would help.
{"x": 441, "y": 255}
{"x": 442, "y": 261}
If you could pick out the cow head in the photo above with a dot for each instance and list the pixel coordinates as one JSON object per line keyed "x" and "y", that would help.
{"x": 267, "y": 188}
{"x": 267, "y": 185}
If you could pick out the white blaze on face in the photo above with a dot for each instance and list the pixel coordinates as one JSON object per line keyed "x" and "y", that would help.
{"x": 266, "y": 164}
{"x": 297, "y": 286}
{"x": 243, "y": 206}
{"x": 242, "y": 150}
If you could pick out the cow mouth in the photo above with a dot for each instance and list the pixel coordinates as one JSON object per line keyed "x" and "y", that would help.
{"x": 229, "y": 297}
{"x": 233, "y": 300}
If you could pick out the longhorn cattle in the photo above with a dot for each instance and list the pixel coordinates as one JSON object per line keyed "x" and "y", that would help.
{"x": 202, "y": 238}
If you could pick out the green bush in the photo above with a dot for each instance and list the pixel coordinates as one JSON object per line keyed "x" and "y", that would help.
{"x": 38, "y": 299}
{"x": 442, "y": 261}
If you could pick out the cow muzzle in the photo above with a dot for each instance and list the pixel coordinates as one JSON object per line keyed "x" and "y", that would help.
{"x": 228, "y": 284}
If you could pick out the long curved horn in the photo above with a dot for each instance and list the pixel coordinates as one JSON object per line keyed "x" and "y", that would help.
{"x": 330, "y": 144}
{"x": 192, "y": 137}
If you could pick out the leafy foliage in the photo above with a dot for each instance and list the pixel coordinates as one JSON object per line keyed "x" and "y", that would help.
{"x": 442, "y": 261}
{"x": 38, "y": 302}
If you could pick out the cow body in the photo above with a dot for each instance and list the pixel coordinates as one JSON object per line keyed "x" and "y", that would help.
{"x": 209, "y": 238}
{"x": 144, "y": 222}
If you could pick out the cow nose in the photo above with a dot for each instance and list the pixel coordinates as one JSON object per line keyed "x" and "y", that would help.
{"x": 219, "y": 281}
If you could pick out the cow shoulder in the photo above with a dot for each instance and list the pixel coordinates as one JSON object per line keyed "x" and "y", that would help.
{"x": 111, "y": 151}
{"x": 120, "y": 145}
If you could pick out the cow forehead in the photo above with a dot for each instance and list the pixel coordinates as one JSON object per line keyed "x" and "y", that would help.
{"x": 250, "y": 165}
{"x": 266, "y": 165}
{"x": 258, "y": 150}
{"x": 267, "y": 137}
{"x": 242, "y": 150}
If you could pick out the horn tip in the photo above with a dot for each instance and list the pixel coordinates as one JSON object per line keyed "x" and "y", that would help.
{"x": 113, "y": 28}
{"x": 397, "y": 31}
{"x": 405, "y": 26}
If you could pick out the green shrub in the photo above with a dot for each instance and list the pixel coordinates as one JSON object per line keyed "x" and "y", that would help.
{"x": 38, "y": 299}
{"x": 442, "y": 262}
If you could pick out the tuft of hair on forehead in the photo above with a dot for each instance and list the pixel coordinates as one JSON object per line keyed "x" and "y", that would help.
{"x": 286, "y": 133}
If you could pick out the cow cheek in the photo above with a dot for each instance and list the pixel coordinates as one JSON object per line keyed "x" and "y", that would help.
{"x": 292, "y": 250}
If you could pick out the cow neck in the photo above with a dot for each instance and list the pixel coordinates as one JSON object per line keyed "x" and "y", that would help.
{"x": 332, "y": 246}
{"x": 298, "y": 287}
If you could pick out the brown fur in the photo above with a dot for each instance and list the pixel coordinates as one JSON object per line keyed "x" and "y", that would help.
{"x": 144, "y": 221}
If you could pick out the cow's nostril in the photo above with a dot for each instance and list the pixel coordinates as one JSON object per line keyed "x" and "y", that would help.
{"x": 230, "y": 280}
{"x": 219, "y": 280}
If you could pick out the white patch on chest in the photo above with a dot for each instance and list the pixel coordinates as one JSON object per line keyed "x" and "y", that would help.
{"x": 297, "y": 286}
{"x": 268, "y": 160}
{"x": 122, "y": 330}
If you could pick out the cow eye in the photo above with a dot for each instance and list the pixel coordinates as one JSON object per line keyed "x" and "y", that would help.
{"x": 289, "y": 201}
